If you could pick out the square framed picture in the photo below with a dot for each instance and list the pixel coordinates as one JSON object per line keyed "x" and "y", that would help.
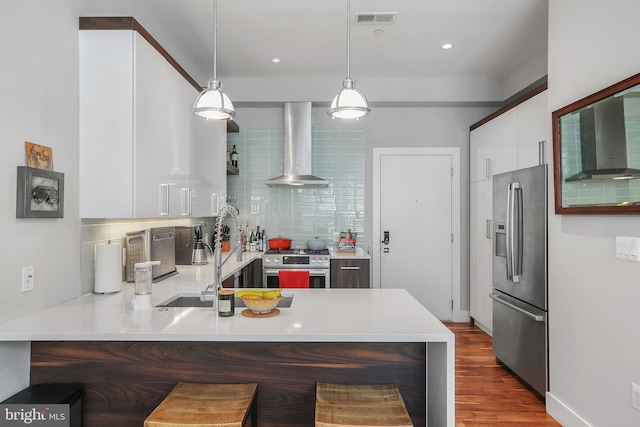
{"x": 40, "y": 193}
{"x": 39, "y": 156}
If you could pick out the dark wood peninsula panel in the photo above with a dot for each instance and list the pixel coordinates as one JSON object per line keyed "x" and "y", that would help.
{"x": 125, "y": 380}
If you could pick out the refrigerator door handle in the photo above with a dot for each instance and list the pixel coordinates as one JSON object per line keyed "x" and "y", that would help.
{"x": 509, "y": 232}
{"x": 516, "y": 231}
{"x": 533, "y": 316}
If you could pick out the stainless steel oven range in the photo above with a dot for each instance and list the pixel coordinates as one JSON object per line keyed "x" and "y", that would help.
{"x": 317, "y": 263}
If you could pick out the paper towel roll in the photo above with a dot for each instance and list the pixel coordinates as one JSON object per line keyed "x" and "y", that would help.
{"x": 108, "y": 268}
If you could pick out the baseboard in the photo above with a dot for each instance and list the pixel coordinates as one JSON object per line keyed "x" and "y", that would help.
{"x": 483, "y": 328}
{"x": 564, "y": 414}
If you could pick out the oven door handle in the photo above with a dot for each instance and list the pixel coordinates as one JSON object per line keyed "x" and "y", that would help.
{"x": 302, "y": 269}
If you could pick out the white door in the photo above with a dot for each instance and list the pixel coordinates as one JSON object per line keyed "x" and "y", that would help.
{"x": 414, "y": 202}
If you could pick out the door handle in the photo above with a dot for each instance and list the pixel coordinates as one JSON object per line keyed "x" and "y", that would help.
{"x": 386, "y": 238}
{"x": 487, "y": 229}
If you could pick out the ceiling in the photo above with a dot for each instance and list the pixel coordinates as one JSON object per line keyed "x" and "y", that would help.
{"x": 490, "y": 37}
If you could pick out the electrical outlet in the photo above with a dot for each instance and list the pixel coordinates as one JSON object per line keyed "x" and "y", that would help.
{"x": 635, "y": 395}
{"x": 28, "y": 278}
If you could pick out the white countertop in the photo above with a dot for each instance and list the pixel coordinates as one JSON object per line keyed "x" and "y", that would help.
{"x": 329, "y": 315}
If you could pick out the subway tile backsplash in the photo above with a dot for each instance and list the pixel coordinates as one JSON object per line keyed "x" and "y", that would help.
{"x": 300, "y": 213}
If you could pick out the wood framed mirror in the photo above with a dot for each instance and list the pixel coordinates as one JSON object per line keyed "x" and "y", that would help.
{"x": 596, "y": 152}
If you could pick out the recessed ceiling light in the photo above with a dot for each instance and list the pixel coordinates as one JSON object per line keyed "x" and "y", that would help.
{"x": 378, "y": 32}
{"x": 447, "y": 46}
{"x": 275, "y": 60}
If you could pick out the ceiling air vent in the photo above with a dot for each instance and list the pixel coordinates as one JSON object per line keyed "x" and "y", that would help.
{"x": 376, "y": 17}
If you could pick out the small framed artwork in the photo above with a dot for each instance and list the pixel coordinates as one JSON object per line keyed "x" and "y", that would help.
{"x": 39, "y": 156}
{"x": 40, "y": 193}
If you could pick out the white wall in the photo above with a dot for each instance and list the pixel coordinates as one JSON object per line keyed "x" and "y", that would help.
{"x": 39, "y": 103}
{"x": 594, "y": 300}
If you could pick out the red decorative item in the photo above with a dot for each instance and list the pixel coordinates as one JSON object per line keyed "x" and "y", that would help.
{"x": 279, "y": 243}
{"x": 293, "y": 279}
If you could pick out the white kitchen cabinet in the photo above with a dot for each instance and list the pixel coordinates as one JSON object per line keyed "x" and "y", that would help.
{"x": 480, "y": 153}
{"x": 504, "y": 142}
{"x": 481, "y": 247}
{"x": 510, "y": 141}
{"x": 142, "y": 153}
{"x": 533, "y": 127}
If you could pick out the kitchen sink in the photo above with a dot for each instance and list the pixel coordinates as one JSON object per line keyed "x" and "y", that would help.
{"x": 193, "y": 300}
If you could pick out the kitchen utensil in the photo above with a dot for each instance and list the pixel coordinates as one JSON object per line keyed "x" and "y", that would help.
{"x": 317, "y": 244}
{"x": 279, "y": 243}
{"x": 199, "y": 251}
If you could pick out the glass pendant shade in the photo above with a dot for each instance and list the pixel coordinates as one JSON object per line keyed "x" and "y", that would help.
{"x": 349, "y": 103}
{"x": 213, "y": 103}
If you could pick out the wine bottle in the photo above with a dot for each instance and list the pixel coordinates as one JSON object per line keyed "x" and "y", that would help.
{"x": 228, "y": 155}
{"x": 234, "y": 157}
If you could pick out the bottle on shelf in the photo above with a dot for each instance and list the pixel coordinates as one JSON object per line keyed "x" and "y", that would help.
{"x": 258, "y": 239}
{"x": 234, "y": 157}
{"x": 228, "y": 155}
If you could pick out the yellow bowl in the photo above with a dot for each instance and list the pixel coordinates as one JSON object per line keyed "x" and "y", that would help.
{"x": 260, "y": 305}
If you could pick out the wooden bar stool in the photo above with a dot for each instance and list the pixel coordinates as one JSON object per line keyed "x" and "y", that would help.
{"x": 206, "y": 405}
{"x": 360, "y": 405}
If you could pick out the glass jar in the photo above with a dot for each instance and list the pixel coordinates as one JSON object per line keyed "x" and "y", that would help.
{"x": 226, "y": 302}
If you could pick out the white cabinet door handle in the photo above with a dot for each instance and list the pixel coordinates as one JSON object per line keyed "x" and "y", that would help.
{"x": 164, "y": 199}
{"x": 185, "y": 201}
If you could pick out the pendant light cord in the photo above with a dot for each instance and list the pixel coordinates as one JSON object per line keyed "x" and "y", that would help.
{"x": 215, "y": 39}
{"x": 348, "y": 39}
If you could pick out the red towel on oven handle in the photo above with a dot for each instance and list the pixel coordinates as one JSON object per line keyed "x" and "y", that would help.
{"x": 293, "y": 279}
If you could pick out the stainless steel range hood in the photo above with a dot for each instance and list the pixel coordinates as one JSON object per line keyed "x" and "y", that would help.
{"x": 603, "y": 142}
{"x": 297, "y": 148}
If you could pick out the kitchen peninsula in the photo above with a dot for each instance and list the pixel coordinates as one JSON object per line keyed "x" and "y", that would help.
{"x": 128, "y": 360}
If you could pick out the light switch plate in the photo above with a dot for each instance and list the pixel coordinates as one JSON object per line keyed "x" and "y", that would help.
{"x": 28, "y": 278}
{"x": 628, "y": 248}
{"x": 635, "y": 396}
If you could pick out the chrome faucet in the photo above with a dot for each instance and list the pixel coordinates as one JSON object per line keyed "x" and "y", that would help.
{"x": 211, "y": 292}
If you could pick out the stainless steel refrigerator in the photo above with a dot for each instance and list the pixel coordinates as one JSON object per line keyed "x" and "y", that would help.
{"x": 520, "y": 274}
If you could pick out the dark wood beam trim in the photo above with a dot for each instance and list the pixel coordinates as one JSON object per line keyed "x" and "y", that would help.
{"x": 509, "y": 106}
{"x": 130, "y": 23}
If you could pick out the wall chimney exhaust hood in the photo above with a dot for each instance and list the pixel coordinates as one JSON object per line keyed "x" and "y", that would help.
{"x": 297, "y": 148}
{"x": 603, "y": 142}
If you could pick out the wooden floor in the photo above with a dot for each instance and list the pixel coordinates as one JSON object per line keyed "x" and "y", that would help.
{"x": 486, "y": 393}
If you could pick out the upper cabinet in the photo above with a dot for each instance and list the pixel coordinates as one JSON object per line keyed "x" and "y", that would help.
{"x": 510, "y": 140}
{"x": 143, "y": 153}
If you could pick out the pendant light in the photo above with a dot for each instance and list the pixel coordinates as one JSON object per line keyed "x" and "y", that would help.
{"x": 212, "y": 102}
{"x": 349, "y": 103}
